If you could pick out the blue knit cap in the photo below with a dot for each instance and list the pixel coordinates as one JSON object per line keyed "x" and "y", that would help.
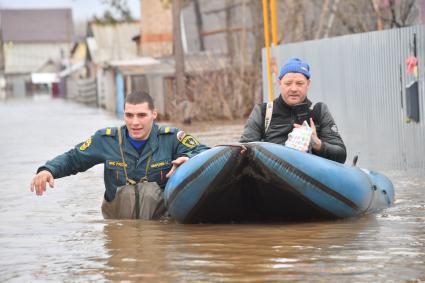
{"x": 295, "y": 65}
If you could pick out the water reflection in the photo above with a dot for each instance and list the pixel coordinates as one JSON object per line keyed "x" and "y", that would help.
{"x": 135, "y": 250}
{"x": 169, "y": 251}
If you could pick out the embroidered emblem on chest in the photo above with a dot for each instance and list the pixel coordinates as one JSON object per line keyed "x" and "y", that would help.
{"x": 117, "y": 163}
{"x": 160, "y": 164}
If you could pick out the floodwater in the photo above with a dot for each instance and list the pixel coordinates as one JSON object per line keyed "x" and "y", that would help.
{"x": 62, "y": 236}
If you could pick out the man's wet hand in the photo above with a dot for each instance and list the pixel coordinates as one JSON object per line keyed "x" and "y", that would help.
{"x": 176, "y": 163}
{"x": 39, "y": 181}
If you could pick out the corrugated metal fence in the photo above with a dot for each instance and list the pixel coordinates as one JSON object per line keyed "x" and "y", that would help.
{"x": 363, "y": 79}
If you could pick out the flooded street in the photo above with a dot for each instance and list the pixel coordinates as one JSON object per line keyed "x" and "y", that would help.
{"x": 62, "y": 236}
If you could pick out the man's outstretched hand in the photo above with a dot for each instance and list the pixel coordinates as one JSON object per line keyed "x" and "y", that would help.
{"x": 39, "y": 181}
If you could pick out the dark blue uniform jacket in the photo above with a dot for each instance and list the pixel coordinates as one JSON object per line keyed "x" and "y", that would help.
{"x": 163, "y": 145}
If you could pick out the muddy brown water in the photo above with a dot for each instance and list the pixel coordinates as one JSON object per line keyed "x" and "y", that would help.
{"x": 61, "y": 236}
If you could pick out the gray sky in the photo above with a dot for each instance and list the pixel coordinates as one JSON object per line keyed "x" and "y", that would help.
{"x": 81, "y": 9}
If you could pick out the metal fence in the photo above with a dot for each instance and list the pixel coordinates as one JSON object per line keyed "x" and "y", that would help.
{"x": 363, "y": 79}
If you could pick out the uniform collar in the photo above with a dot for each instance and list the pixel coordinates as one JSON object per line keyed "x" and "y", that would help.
{"x": 150, "y": 146}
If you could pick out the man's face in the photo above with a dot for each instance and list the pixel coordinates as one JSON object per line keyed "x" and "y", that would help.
{"x": 293, "y": 88}
{"x": 139, "y": 120}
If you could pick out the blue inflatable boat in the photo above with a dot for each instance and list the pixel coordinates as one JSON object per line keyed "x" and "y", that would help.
{"x": 265, "y": 182}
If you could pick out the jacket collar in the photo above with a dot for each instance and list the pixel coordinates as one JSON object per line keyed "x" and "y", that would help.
{"x": 150, "y": 146}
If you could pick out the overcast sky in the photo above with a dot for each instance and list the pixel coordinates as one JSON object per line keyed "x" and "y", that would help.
{"x": 81, "y": 9}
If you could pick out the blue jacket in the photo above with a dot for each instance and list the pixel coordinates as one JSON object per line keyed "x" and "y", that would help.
{"x": 163, "y": 145}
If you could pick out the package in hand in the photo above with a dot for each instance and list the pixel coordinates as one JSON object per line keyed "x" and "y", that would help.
{"x": 300, "y": 138}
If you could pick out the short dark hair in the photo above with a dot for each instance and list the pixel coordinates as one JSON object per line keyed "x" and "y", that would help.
{"x": 138, "y": 97}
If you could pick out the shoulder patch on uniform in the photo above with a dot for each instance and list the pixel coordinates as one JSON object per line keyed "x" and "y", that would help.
{"x": 163, "y": 130}
{"x": 86, "y": 144}
{"x": 187, "y": 140}
{"x": 180, "y": 135}
{"x": 108, "y": 132}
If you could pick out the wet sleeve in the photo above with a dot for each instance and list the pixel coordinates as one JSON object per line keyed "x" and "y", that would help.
{"x": 187, "y": 145}
{"x": 333, "y": 147}
{"x": 253, "y": 127}
{"x": 82, "y": 157}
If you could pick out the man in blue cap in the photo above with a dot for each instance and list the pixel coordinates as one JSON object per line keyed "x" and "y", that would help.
{"x": 272, "y": 122}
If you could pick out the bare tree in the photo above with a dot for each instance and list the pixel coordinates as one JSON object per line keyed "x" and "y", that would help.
{"x": 379, "y": 24}
{"x": 230, "y": 92}
{"x": 313, "y": 19}
{"x": 199, "y": 24}
{"x": 258, "y": 34}
{"x": 399, "y": 12}
{"x": 120, "y": 7}
{"x": 368, "y": 15}
{"x": 331, "y": 18}
{"x": 323, "y": 15}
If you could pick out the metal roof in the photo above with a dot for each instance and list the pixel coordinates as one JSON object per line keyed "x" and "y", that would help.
{"x": 36, "y": 25}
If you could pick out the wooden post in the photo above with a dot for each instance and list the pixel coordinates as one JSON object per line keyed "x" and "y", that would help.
{"x": 178, "y": 51}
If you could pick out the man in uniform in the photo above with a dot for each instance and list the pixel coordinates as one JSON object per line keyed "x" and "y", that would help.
{"x": 290, "y": 109}
{"x": 138, "y": 158}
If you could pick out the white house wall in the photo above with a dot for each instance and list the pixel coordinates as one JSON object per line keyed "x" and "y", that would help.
{"x": 28, "y": 57}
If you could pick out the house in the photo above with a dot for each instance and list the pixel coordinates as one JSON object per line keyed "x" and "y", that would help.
{"x": 107, "y": 43}
{"x": 85, "y": 79}
{"x": 206, "y": 26}
{"x": 156, "y": 29}
{"x": 209, "y": 57}
{"x": 157, "y": 77}
{"x": 78, "y": 79}
{"x": 138, "y": 56}
{"x": 46, "y": 79}
{"x": 29, "y": 39}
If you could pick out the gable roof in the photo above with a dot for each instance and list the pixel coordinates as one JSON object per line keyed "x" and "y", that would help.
{"x": 36, "y": 25}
